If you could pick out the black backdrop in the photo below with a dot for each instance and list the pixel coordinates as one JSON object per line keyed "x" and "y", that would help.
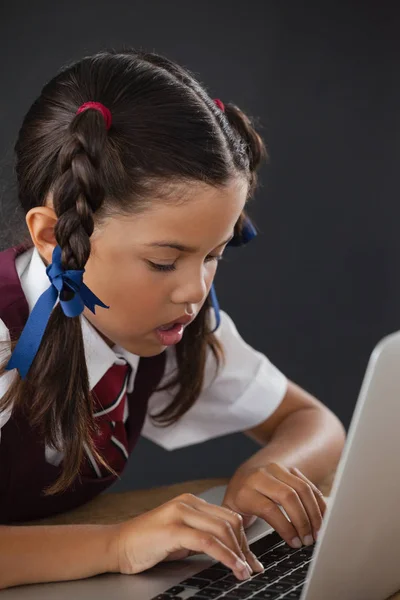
{"x": 319, "y": 287}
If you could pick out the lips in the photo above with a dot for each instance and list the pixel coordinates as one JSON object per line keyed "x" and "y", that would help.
{"x": 184, "y": 320}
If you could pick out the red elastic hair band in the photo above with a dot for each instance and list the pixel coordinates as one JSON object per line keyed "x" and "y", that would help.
{"x": 101, "y": 108}
{"x": 220, "y": 104}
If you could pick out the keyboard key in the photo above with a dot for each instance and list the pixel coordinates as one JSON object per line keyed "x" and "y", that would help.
{"x": 219, "y": 567}
{"x": 281, "y": 568}
{"x": 223, "y": 585}
{"x": 309, "y": 550}
{"x": 195, "y": 582}
{"x": 265, "y": 543}
{"x": 232, "y": 579}
{"x": 267, "y": 560}
{"x": 293, "y": 595}
{"x": 164, "y": 597}
{"x": 284, "y": 550}
{"x": 209, "y": 593}
{"x": 239, "y": 594}
{"x": 293, "y": 562}
{"x": 275, "y": 553}
{"x": 266, "y": 595}
{"x": 253, "y": 585}
{"x": 303, "y": 555}
{"x": 174, "y": 591}
{"x": 268, "y": 576}
{"x": 293, "y": 578}
{"x": 211, "y": 574}
{"x": 280, "y": 587}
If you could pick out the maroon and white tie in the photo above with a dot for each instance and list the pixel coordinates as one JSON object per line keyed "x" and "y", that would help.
{"x": 110, "y": 439}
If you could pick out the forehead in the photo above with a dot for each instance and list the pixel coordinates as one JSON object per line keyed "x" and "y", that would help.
{"x": 195, "y": 213}
{"x": 200, "y": 207}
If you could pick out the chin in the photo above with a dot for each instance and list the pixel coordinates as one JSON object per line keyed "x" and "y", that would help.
{"x": 145, "y": 350}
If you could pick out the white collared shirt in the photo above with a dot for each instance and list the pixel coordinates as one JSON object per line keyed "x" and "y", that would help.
{"x": 245, "y": 392}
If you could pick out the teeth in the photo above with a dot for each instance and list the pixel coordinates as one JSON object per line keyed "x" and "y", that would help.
{"x": 166, "y": 327}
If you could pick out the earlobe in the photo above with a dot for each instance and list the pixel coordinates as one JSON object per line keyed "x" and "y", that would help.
{"x": 41, "y": 221}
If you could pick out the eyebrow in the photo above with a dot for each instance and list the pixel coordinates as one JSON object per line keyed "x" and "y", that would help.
{"x": 181, "y": 247}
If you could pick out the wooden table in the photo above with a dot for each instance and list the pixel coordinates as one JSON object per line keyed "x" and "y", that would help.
{"x": 114, "y": 508}
{"x": 117, "y": 507}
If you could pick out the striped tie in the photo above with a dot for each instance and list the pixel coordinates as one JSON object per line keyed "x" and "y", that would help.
{"x": 109, "y": 397}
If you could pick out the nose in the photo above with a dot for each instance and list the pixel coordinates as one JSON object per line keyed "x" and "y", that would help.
{"x": 192, "y": 289}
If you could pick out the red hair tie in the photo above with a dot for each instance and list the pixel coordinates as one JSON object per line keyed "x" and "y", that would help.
{"x": 101, "y": 108}
{"x": 220, "y": 104}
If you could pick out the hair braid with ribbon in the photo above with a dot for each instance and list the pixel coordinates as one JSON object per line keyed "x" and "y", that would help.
{"x": 77, "y": 195}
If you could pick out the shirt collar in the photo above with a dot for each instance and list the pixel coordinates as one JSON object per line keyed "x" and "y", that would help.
{"x": 99, "y": 356}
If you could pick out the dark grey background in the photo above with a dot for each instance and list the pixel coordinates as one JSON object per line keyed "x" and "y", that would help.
{"x": 319, "y": 287}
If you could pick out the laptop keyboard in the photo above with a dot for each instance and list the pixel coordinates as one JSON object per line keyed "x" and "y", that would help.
{"x": 284, "y": 576}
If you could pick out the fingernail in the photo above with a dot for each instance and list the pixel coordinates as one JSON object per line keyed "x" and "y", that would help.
{"x": 316, "y": 534}
{"x": 245, "y": 572}
{"x": 249, "y": 567}
{"x": 243, "y": 568}
{"x": 241, "y": 564}
{"x": 308, "y": 540}
{"x": 296, "y": 542}
{"x": 257, "y": 563}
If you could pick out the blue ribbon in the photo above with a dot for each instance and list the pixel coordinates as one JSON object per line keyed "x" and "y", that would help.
{"x": 248, "y": 232}
{"x": 32, "y": 334}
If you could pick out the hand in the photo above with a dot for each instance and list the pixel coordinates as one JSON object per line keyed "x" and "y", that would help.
{"x": 182, "y": 527}
{"x": 258, "y": 492}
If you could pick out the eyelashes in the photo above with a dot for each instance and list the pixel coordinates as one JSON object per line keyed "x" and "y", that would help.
{"x": 169, "y": 268}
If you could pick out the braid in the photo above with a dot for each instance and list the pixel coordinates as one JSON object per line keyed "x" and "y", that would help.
{"x": 78, "y": 191}
{"x": 77, "y": 194}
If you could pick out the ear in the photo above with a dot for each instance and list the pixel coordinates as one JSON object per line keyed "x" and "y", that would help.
{"x": 41, "y": 221}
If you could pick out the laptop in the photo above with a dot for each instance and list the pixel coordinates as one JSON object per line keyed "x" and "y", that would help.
{"x": 357, "y": 553}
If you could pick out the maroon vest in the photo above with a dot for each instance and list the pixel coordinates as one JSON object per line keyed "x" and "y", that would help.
{"x": 24, "y": 471}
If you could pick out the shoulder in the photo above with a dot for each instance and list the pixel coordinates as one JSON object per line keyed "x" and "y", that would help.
{"x": 245, "y": 390}
{"x": 243, "y": 365}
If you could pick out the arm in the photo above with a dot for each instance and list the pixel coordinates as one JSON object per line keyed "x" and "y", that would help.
{"x": 33, "y": 554}
{"x": 301, "y": 433}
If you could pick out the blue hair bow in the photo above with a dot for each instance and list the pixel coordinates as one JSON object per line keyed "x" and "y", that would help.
{"x": 248, "y": 232}
{"x": 32, "y": 334}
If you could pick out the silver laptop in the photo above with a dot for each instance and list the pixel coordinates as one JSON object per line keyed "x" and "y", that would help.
{"x": 357, "y": 553}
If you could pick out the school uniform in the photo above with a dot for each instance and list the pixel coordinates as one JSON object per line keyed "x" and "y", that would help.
{"x": 245, "y": 391}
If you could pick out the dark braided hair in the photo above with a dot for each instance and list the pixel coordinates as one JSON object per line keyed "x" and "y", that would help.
{"x": 165, "y": 129}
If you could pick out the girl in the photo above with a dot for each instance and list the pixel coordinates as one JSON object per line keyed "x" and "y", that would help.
{"x": 130, "y": 173}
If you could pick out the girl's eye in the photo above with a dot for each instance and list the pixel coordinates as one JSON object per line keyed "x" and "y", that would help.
{"x": 216, "y": 258}
{"x": 158, "y": 267}
{"x": 166, "y": 268}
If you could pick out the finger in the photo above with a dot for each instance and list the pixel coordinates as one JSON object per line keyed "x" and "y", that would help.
{"x": 317, "y": 499}
{"x": 286, "y": 496}
{"x": 309, "y": 508}
{"x": 214, "y": 525}
{"x": 236, "y": 521}
{"x": 317, "y": 492}
{"x": 198, "y": 541}
{"x": 225, "y": 513}
{"x": 267, "y": 509}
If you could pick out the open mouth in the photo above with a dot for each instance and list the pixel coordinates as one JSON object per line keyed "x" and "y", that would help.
{"x": 168, "y": 335}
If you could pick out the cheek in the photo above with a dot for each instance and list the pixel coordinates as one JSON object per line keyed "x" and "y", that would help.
{"x": 134, "y": 295}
